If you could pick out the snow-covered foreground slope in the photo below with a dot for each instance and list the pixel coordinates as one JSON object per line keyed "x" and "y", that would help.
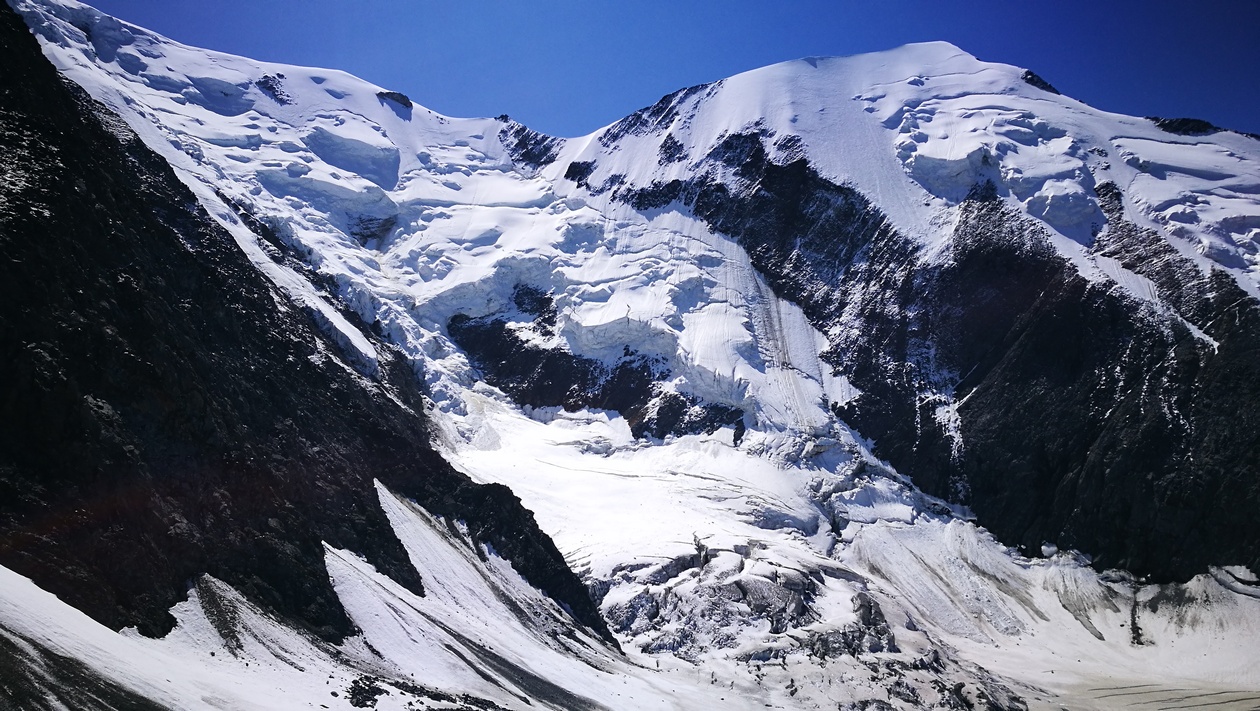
{"x": 745, "y": 545}
{"x": 1050, "y": 631}
{"x": 479, "y": 637}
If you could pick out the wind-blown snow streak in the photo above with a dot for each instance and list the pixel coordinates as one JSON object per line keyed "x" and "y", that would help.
{"x": 790, "y": 567}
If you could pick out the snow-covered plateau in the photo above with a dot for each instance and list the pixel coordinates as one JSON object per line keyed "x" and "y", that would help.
{"x": 594, "y": 330}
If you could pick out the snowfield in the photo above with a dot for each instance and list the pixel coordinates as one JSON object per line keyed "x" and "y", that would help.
{"x": 774, "y": 563}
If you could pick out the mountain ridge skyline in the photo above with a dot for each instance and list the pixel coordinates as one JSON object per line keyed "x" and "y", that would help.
{"x": 568, "y": 69}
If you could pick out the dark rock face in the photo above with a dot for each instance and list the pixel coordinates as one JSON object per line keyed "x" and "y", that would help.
{"x": 1185, "y": 126}
{"x": 1096, "y": 422}
{"x": 671, "y": 151}
{"x": 395, "y": 96}
{"x": 579, "y": 172}
{"x": 1034, "y": 79}
{"x": 527, "y": 146}
{"x": 1193, "y": 127}
{"x": 553, "y": 377}
{"x": 273, "y": 86}
{"x": 1087, "y": 418}
{"x": 1061, "y": 430}
{"x": 162, "y": 417}
{"x": 654, "y": 118}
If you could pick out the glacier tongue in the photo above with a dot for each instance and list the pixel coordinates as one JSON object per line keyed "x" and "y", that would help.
{"x": 768, "y": 558}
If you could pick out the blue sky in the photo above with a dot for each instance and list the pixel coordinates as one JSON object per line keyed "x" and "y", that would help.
{"x": 567, "y": 67}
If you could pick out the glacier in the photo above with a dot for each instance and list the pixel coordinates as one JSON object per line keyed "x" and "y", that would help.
{"x": 765, "y": 558}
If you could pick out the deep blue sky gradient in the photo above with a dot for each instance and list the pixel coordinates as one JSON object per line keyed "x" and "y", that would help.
{"x": 567, "y": 67}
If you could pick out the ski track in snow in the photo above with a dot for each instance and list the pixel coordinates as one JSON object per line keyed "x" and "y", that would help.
{"x": 414, "y": 217}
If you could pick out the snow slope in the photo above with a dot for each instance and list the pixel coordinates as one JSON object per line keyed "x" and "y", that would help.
{"x": 917, "y": 127}
{"x": 786, "y": 566}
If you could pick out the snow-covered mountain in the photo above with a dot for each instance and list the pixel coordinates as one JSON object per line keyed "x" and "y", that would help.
{"x": 829, "y": 381}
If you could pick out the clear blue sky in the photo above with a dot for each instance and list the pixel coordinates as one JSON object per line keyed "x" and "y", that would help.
{"x": 567, "y": 67}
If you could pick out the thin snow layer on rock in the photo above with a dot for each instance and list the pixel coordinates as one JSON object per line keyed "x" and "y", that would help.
{"x": 786, "y": 566}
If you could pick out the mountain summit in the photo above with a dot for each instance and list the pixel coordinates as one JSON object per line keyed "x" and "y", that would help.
{"x": 890, "y": 381}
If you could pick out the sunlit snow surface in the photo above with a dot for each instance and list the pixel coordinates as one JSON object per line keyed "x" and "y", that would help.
{"x": 725, "y": 571}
